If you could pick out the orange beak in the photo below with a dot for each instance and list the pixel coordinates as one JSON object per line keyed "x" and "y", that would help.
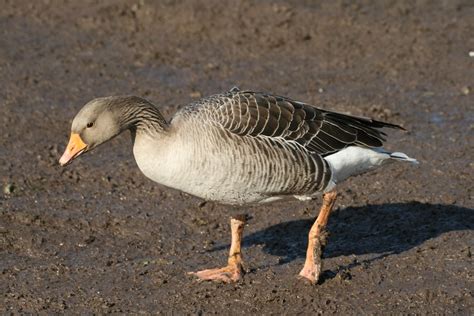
{"x": 75, "y": 147}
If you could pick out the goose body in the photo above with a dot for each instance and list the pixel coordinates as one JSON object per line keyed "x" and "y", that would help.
{"x": 247, "y": 147}
{"x": 240, "y": 147}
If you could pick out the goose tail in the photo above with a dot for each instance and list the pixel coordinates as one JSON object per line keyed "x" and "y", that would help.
{"x": 403, "y": 157}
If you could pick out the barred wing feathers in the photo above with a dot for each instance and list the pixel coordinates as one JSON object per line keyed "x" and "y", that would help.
{"x": 319, "y": 131}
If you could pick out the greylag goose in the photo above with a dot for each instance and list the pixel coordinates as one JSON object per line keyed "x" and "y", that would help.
{"x": 238, "y": 148}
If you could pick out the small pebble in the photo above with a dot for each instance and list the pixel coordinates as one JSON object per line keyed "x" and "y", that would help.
{"x": 465, "y": 90}
{"x": 195, "y": 94}
{"x": 9, "y": 188}
{"x": 471, "y": 53}
{"x": 344, "y": 275}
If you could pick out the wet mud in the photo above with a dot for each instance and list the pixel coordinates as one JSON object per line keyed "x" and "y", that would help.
{"x": 98, "y": 237}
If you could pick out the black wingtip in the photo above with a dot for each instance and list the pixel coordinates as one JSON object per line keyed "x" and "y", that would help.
{"x": 381, "y": 124}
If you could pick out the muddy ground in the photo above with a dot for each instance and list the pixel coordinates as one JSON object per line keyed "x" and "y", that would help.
{"x": 98, "y": 237}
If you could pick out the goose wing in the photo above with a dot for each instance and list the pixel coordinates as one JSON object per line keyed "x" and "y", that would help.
{"x": 323, "y": 132}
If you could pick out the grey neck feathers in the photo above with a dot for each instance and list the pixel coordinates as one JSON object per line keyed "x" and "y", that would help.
{"x": 141, "y": 116}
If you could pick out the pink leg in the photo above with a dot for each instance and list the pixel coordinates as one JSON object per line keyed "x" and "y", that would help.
{"x": 233, "y": 271}
{"x": 317, "y": 240}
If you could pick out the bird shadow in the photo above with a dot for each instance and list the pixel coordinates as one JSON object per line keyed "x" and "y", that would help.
{"x": 383, "y": 230}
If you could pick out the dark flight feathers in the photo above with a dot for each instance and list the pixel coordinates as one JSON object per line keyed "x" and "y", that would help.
{"x": 319, "y": 131}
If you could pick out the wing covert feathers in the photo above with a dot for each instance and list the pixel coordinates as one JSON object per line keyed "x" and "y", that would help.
{"x": 261, "y": 115}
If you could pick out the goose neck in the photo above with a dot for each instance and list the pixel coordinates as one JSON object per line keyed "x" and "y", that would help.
{"x": 142, "y": 117}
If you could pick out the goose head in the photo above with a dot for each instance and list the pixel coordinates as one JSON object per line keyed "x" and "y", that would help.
{"x": 104, "y": 118}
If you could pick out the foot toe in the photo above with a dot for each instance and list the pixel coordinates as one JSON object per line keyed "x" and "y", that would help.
{"x": 310, "y": 274}
{"x": 226, "y": 275}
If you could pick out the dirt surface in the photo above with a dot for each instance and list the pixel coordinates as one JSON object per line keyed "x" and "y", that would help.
{"x": 99, "y": 237}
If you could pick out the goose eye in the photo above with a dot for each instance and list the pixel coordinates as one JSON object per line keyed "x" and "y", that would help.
{"x": 89, "y": 125}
